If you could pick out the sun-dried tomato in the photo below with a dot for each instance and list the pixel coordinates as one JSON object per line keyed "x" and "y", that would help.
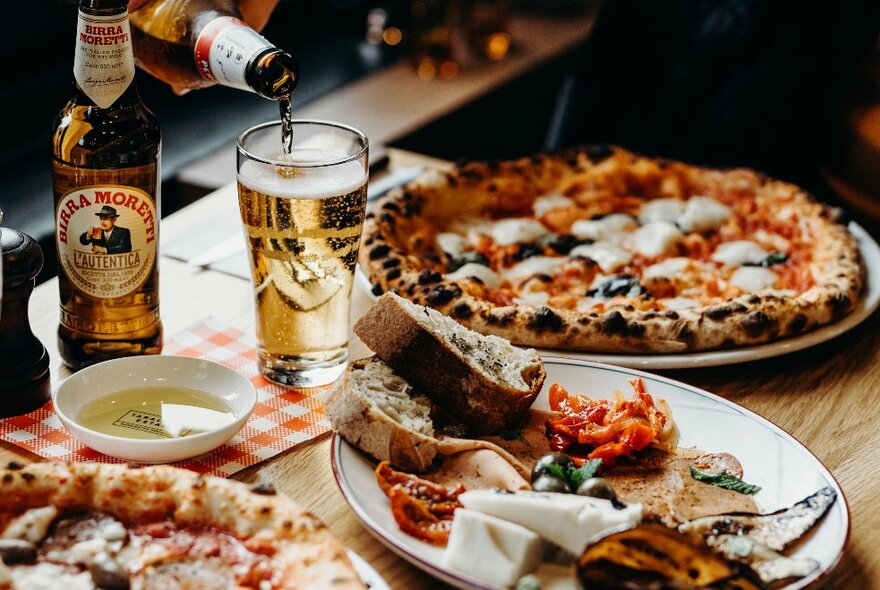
{"x": 420, "y": 508}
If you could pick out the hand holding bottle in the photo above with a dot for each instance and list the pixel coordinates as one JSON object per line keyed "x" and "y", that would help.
{"x": 256, "y": 13}
{"x": 225, "y": 50}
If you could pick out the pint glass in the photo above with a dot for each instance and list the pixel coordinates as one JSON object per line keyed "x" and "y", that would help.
{"x": 303, "y": 213}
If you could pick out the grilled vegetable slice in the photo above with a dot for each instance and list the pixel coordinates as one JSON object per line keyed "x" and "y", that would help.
{"x": 654, "y": 556}
{"x": 768, "y": 564}
{"x": 775, "y": 530}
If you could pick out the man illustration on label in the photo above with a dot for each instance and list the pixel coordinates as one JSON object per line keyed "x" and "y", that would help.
{"x": 107, "y": 237}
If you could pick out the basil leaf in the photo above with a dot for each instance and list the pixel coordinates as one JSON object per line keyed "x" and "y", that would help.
{"x": 775, "y": 258}
{"x": 557, "y": 471}
{"x": 626, "y": 285}
{"x": 725, "y": 480}
{"x": 578, "y": 476}
{"x": 772, "y": 259}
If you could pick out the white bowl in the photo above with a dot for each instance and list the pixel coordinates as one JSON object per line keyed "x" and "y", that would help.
{"x": 148, "y": 371}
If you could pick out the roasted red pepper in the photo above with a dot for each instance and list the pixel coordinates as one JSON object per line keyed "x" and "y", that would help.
{"x": 611, "y": 428}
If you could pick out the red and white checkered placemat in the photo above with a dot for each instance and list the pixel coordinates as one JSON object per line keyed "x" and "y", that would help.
{"x": 282, "y": 418}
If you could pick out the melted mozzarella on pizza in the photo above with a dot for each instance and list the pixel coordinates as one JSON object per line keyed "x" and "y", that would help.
{"x": 608, "y": 256}
{"x": 591, "y": 253}
{"x": 662, "y": 210}
{"x": 452, "y": 243}
{"x": 668, "y": 268}
{"x": 703, "y": 214}
{"x": 549, "y": 202}
{"x": 546, "y": 265}
{"x": 655, "y": 238}
{"x": 486, "y": 275}
{"x": 51, "y": 575}
{"x": 89, "y": 550}
{"x": 31, "y": 525}
{"x": 611, "y": 228}
{"x": 739, "y": 252}
{"x": 753, "y": 278}
{"x": 512, "y": 231}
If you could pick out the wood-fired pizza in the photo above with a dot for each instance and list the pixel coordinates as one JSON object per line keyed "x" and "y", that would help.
{"x": 88, "y": 525}
{"x": 599, "y": 249}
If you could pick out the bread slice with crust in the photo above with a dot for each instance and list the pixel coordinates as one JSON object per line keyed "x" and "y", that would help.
{"x": 484, "y": 381}
{"x": 376, "y": 411}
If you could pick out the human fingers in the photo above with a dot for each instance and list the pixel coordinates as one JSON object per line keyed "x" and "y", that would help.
{"x": 256, "y": 13}
{"x": 135, "y": 4}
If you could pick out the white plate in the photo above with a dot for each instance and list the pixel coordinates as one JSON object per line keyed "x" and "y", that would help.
{"x": 786, "y": 471}
{"x": 868, "y": 304}
{"x": 367, "y": 574}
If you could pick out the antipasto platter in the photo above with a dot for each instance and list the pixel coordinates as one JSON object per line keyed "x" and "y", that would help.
{"x": 670, "y": 492}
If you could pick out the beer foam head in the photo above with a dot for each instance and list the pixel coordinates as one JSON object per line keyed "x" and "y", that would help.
{"x": 311, "y": 181}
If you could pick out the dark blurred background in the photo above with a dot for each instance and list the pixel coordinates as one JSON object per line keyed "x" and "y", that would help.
{"x": 325, "y": 35}
{"x": 776, "y": 85}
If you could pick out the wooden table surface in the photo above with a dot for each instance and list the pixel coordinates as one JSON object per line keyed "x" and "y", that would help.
{"x": 826, "y": 397}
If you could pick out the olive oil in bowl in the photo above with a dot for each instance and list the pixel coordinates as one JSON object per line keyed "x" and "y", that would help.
{"x": 152, "y": 413}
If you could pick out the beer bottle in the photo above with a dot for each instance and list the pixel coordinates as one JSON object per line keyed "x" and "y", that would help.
{"x": 196, "y": 43}
{"x": 106, "y": 183}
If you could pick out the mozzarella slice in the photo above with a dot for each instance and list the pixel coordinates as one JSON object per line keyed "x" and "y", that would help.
{"x": 546, "y": 203}
{"x": 512, "y": 231}
{"x": 452, "y": 244}
{"x": 655, "y": 238}
{"x": 491, "y": 549}
{"x": 614, "y": 228}
{"x": 608, "y": 256}
{"x": 488, "y": 276}
{"x": 568, "y": 520}
{"x": 666, "y": 269}
{"x": 753, "y": 278}
{"x": 662, "y": 210}
{"x": 739, "y": 252}
{"x": 703, "y": 214}
{"x": 548, "y": 265}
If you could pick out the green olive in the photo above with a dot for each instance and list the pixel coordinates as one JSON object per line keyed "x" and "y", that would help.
{"x": 596, "y": 487}
{"x": 548, "y": 483}
{"x": 540, "y": 468}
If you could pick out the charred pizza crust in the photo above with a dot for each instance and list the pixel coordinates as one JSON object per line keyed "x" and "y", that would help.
{"x": 302, "y": 552}
{"x": 399, "y": 255}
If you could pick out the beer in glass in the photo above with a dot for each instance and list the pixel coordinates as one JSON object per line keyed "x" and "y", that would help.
{"x": 303, "y": 213}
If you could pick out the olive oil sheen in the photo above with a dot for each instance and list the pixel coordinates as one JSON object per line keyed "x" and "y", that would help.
{"x": 137, "y": 413}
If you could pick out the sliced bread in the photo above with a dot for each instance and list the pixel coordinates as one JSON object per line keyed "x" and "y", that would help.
{"x": 374, "y": 409}
{"x": 484, "y": 381}
{"x": 378, "y": 412}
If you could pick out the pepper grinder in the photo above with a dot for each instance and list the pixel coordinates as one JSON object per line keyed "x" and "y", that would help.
{"x": 24, "y": 361}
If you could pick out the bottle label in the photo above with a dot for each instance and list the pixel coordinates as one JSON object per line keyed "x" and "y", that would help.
{"x": 224, "y": 49}
{"x": 106, "y": 239}
{"x": 103, "y": 64}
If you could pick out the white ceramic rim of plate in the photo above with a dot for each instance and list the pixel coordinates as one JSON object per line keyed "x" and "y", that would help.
{"x": 367, "y": 573}
{"x": 190, "y": 439}
{"x": 866, "y": 306}
{"x": 464, "y": 581}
